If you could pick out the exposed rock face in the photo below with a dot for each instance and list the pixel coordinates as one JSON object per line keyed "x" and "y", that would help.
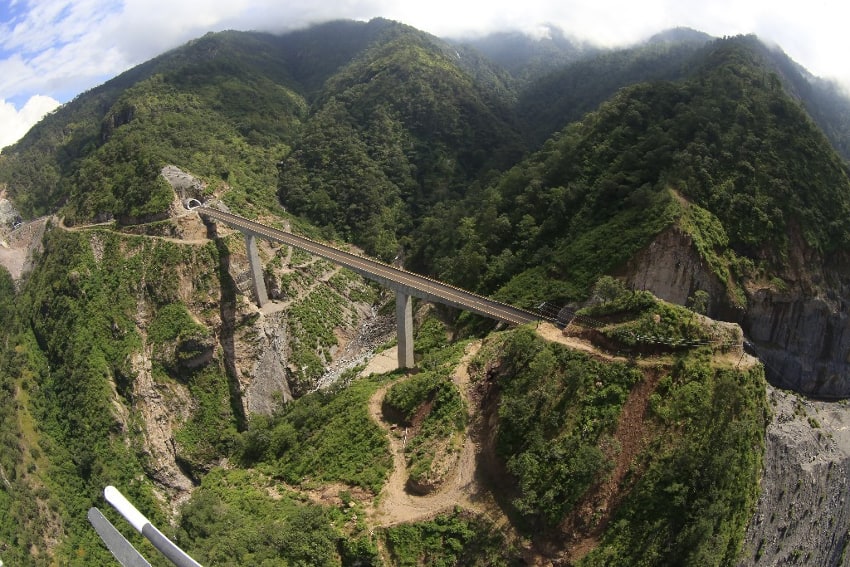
{"x": 8, "y": 214}
{"x": 804, "y": 342}
{"x": 163, "y": 408}
{"x": 672, "y": 270}
{"x": 803, "y": 513}
{"x": 185, "y": 184}
{"x": 265, "y": 382}
{"x": 801, "y": 331}
{"x": 801, "y": 334}
{"x": 18, "y": 248}
{"x": 194, "y": 353}
{"x": 185, "y": 355}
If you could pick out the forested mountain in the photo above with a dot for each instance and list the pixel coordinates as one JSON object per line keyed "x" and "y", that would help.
{"x": 622, "y": 185}
{"x": 528, "y": 58}
{"x": 401, "y": 129}
{"x": 734, "y": 156}
{"x": 567, "y": 93}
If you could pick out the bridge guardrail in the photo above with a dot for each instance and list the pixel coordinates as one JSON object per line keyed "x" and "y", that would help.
{"x": 413, "y": 283}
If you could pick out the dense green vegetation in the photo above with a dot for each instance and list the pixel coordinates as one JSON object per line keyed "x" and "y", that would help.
{"x": 69, "y": 362}
{"x": 241, "y": 518}
{"x": 22, "y": 524}
{"x": 74, "y": 336}
{"x": 431, "y": 403}
{"x": 636, "y": 318}
{"x": 568, "y": 93}
{"x": 400, "y": 147}
{"x": 398, "y": 130}
{"x": 74, "y": 330}
{"x": 211, "y": 431}
{"x": 692, "y": 503}
{"x": 323, "y": 437}
{"x": 689, "y": 493}
{"x": 449, "y": 539}
{"x": 556, "y": 407}
{"x": 227, "y": 118}
{"x": 556, "y": 417}
{"x": 600, "y": 190}
{"x": 184, "y": 118}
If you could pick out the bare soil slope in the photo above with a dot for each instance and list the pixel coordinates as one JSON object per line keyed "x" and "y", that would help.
{"x": 462, "y": 486}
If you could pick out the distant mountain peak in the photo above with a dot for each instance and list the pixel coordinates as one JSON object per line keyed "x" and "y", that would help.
{"x": 680, "y": 35}
{"x": 531, "y": 53}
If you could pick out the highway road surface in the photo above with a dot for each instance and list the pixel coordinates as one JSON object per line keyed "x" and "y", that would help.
{"x": 407, "y": 282}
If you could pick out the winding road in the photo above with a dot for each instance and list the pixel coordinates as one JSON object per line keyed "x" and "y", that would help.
{"x": 461, "y": 487}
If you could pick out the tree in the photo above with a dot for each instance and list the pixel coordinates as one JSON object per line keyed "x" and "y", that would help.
{"x": 699, "y": 301}
{"x": 608, "y": 288}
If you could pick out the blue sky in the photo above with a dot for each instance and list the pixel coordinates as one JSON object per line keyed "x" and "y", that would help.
{"x": 52, "y": 50}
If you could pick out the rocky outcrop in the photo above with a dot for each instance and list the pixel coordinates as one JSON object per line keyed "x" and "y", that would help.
{"x": 799, "y": 328}
{"x": 19, "y": 247}
{"x": 672, "y": 269}
{"x": 180, "y": 357}
{"x": 184, "y": 184}
{"x": 799, "y": 325}
{"x": 264, "y": 376}
{"x": 163, "y": 408}
{"x": 194, "y": 353}
{"x": 804, "y": 342}
{"x": 803, "y": 512}
{"x": 8, "y": 214}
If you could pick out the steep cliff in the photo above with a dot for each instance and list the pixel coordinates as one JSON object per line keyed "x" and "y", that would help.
{"x": 800, "y": 334}
{"x": 797, "y": 323}
{"x": 138, "y": 358}
{"x": 801, "y": 324}
{"x": 672, "y": 269}
{"x": 803, "y": 513}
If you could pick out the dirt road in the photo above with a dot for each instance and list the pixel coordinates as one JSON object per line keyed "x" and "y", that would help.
{"x": 461, "y": 488}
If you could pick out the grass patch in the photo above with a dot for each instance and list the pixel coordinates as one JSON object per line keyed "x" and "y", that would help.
{"x": 326, "y": 436}
{"x": 458, "y": 538}
{"x": 431, "y": 403}
{"x": 239, "y": 517}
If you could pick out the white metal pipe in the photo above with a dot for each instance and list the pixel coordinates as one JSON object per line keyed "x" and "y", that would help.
{"x": 144, "y": 527}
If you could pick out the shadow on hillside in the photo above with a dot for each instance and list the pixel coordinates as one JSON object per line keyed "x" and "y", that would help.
{"x": 227, "y": 312}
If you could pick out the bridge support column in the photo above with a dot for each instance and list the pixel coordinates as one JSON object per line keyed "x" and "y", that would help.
{"x": 257, "y": 281}
{"x": 404, "y": 324}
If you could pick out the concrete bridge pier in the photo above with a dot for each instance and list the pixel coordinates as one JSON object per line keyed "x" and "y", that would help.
{"x": 257, "y": 282}
{"x": 405, "y": 284}
{"x": 403, "y": 303}
{"x": 404, "y": 325}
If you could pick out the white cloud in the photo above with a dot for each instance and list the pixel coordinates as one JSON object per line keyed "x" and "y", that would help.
{"x": 136, "y": 30}
{"x": 55, "y": 49}
{"x": 51, "y": 22}
{"x": 15, "y": 123}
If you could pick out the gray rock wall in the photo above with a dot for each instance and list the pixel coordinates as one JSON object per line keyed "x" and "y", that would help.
{"x": 801, "y": 332}
{"x": 672, "y": 270}
{"x": 804, "y": 342}
{"x": 803, "y": 513}
{"x": 269, "y": 386}
{"x": 8, "y": 214}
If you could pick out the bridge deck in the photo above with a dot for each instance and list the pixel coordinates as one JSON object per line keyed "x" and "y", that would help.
{"x": 407, "y": 282}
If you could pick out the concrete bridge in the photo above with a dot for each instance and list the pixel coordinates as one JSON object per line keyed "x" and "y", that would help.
{"x": 405, "y": 284}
